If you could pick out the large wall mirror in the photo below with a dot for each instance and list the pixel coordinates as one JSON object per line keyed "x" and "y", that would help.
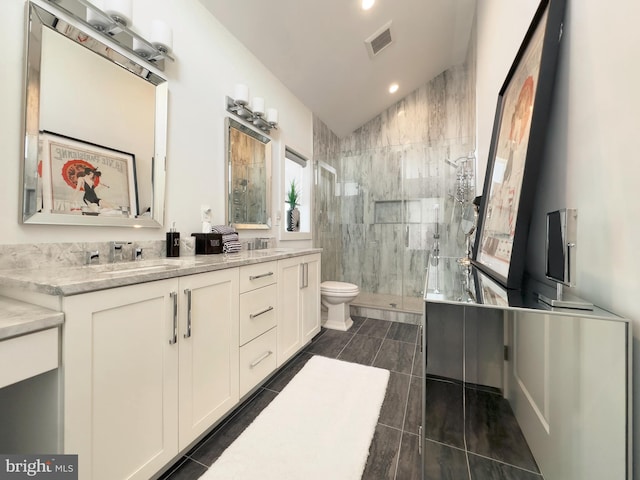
{"x": 249, "y": 177}
{"x": 95, "y": 126}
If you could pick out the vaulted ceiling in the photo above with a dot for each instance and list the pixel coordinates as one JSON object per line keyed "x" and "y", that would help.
{"x": 318, "y": 50}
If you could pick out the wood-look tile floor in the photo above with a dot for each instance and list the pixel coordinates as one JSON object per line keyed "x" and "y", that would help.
{"x": 394, "y": 451}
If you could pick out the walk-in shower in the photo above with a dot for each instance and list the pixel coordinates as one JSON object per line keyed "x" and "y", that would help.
{"x": 379, "y": 214}
{"x": 395, "y": 190}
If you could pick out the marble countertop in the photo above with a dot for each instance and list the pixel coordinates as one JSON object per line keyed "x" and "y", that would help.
{"x": 19, "y": 318}
{"x": 67, "y": 281}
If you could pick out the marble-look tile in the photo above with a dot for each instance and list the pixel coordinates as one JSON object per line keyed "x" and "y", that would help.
{"x": 413, "y": 416}
{"x": 361, "y": 349}
{"x": 383, "y": 454}
{"x": 395, "y": 400}
{"x": 492, "y": 430}
{"x": 208, "y": 451}
{"x": 410, "y": 461}
{"x": 444, "y": 463}
{"x": 395, "y": 356}
{"x": 326, "y": 144}
{"x": 444, "y": 415}
{"x": 485, "y": 469}
{"x": 289, "y": 371}
{"x": 375, "y": 328}
{"x": 403, "y": 332}
{"x": 330, "y": 343}
{"x": 44, "y": 255}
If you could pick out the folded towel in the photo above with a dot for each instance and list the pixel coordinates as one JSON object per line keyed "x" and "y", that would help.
{"x": 230, "y": 237}
{"x": 231, "y": 247}
{"x": 224, "y": 229}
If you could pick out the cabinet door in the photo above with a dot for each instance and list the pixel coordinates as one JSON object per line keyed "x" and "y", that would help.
{"x": 121, "y": 380}
{"x": 310, "y": 298}
{"x": 209, "y": 358}
{"x": 289, "y": 308}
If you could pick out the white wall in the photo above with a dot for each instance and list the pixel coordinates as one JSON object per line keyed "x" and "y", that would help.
{"x": 591, "y": 161}
{"x": 209, "y": 62}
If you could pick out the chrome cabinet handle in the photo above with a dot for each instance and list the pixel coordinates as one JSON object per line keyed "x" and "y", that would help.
{"x": 174, "y": 339}
{"x": 254, "y": 315}
{"x": 301, "y": 275}
{"x": 255, "y": 277}
{"x": 260, "y": 359}
{"x": 304, "y": 275}
{"x": 188, "y": 292}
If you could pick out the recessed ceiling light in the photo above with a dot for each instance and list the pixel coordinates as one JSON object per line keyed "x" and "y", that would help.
{"x": 393, "y": 88}
{"x": 367, "y": 4}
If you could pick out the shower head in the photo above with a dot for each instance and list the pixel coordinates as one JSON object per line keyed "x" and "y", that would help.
{"x": 454, "y": 164}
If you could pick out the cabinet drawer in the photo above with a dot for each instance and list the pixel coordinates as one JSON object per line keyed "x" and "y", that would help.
{"x": 257, "y": 360}
{"x": 258, "y": 275}
{"x": 27, "y": 356}
{"x": 257, "y": 312}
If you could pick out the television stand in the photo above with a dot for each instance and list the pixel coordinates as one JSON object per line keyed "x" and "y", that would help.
{"x": 561, "y": 302}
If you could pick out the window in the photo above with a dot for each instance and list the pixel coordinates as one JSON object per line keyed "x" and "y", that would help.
{"x": 298, "y": 171}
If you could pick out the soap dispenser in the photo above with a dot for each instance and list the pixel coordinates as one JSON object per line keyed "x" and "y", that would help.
{"x": 173, "y": 242}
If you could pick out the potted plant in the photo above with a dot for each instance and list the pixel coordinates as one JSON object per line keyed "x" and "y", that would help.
{"x": 293, "y": 214}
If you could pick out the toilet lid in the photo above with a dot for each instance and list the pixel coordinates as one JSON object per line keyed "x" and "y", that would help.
{"x": 338, "y": 287}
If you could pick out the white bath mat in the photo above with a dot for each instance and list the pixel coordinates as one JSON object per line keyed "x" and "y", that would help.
{"x": 318, "y": 428}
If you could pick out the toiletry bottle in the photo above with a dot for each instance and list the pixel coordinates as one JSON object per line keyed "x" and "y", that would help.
{"x": 173, "y": 242}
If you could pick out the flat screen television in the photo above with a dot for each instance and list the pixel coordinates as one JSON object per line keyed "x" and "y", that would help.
{"x": 560, "y": 258}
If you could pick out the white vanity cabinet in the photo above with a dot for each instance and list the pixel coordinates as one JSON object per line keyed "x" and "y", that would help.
{"x": 299, "y": 303}
{"x": 207, "y": 339}
{"x": 121, "y": 380}
{"x": 258, "y": 323}
{"x": 148, "y": 368}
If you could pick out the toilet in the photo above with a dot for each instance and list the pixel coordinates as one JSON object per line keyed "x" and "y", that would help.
{"x": 336, "y": 298}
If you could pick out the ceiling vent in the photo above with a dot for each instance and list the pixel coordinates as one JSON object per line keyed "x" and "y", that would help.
{"x": 379, "y": 40}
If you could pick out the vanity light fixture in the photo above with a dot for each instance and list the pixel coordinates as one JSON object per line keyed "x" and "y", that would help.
{"x": 121, "y": 11}
{"x": 254, "y": 114}
{"x": 160, "y": 39}
{"x": 161, "y": 36}
{"x": 112, "y": 18}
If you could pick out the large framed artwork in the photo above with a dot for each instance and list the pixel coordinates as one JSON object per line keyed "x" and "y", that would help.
{"x": 85, "y": 179}
{"x": 517, "y": 149}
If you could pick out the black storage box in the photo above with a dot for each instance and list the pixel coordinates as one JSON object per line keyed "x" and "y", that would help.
{"x": 208, "y": 243}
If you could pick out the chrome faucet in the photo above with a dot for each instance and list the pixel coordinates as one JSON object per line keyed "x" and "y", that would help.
{"x": 137, "y": 253}
{"x": 116, "y": 251}
{"x": 91, "y": 257}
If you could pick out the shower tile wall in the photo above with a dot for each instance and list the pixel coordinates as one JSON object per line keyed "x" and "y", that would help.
{"x": 398, "y": 156}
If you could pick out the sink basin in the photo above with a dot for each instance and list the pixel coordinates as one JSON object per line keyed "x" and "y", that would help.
{"x": 143, "y": 266}
{"x": 269, "y": 251}
{"x": 133, "y": 270}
